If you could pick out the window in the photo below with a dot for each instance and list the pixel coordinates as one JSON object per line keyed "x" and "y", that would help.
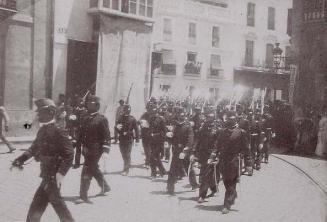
{"x": 165, "y": 88}
{"x": 191, "y": 57}
{"x": 214, "y": 93}
{"x": 142, "y": 9}
{"x": 288, "y": 57}
{"x": 125, "y": 6}
{"x": 289, "y": 22}
{"x": 192, "y": 33}
{"x": 251, "y": 14}
{"x": 168, "y": 62}
{"x": 271, "y": 18}
{"x": 150, "y": 8}
{"x": 215, "y": 36}
{"x": 192, "y": 66}
{"x": 132, "y": 6}
{"x": 106, "y": 3}
{"x": 215, "y": 65}
{"x": 249, "y": 45}
{"x": 269, "y": 55}
{"x": 115, "y": 4}
{"x": 167, "y": 30}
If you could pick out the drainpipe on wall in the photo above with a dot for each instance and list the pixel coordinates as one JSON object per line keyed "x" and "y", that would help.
{"x": 50, "y": 31}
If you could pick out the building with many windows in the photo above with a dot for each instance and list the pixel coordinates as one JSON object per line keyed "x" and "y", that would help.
{"x": 207, "y": 46}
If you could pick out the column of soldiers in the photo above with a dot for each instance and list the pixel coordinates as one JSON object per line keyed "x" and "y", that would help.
{"x": 219, "y": 140}
{"x": 225, "y": 143}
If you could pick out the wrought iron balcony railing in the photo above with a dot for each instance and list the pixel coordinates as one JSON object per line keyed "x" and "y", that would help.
{"x": 168, "y": 69}
{"x": 192, "y": 68}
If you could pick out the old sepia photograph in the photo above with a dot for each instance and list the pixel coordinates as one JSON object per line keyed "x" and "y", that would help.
{"x": 163, "y": 110}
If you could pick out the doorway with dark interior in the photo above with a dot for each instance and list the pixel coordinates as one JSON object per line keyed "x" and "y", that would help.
{"x": 81, "y": 68}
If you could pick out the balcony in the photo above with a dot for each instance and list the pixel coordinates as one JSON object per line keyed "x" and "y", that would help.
{"x": 141, "y": 10}
{"x": 168, "y": 69}
{"x": 192, "y": 68}
{"x": 7, "y": 9}
{"x": 215, "y": 73}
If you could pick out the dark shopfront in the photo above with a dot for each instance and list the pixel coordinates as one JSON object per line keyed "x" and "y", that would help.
{"x": 276, "y": 85}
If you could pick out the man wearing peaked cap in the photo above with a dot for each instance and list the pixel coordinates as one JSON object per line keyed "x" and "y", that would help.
{"x": 95, "y": 137}
{"x": 54, "y": 150}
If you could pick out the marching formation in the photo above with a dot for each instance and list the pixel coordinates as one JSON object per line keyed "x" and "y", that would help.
{"x": 223, "y": 141}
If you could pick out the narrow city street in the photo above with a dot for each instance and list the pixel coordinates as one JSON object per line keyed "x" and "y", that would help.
{"x": 278, "y": 192}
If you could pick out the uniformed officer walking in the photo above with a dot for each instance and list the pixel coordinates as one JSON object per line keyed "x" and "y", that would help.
{"x": 231, "y": 142}
{"x": 53, "y": 149}
{"x": 127, "y": 129}
{"x": 182, "y": 142}
{"x": 96, "y": 140}
{"x": 157, "y": 128}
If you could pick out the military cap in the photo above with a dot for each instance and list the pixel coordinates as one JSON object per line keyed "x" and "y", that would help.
{"x": 93, "y": 99}
{"x": 44, "y": 103}
{"x": 126, "y": 108}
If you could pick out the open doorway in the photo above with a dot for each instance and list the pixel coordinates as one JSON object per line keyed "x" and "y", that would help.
{"x": 81, "y": 68}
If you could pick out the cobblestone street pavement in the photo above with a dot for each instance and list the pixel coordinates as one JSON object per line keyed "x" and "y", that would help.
{"x": 278, "y": 192}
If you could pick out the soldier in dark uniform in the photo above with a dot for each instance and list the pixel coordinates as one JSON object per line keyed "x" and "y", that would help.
{"x": 95, "y": 137}
{"x": 145, "y": 135}
{"x": 230, "y": 143}
{"x": 255, "y": 139}
{"x": 53, "y": 149}
{"x": 157, "y": 131}
{"x": 127, "y": 127}
{"x": 209, "y": 174}
{"x": 79, "y": 114}
{"x": 182, "y": 142}
{"x": 268, "y": 130}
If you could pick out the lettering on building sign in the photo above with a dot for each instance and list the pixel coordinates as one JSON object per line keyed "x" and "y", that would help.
{"x": 62, "y": 30}
{"x": 314, "y": 10}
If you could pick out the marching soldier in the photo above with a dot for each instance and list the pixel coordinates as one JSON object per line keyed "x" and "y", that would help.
{"x": 4, "y": 115}
{"x": 145, "y": 136}
{"x": 209, "y": 174}
{"x": 53, "y": 149}
{"x": 268, "y": 130}
{"x": 255, "y": 140}
{"x": 157, "y": 137}
{"x": 126, "y": 128}
{"x": 95, "y": 137}
{"x": 119, "y": 113}
{"x": 182, "y": 141}
{"x": 230, "y": 143}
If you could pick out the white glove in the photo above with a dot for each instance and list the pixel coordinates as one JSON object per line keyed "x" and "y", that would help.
{"x": 170, "y": 128}
{"x": 192, "y": 158}
{"x": 144, "y": 123}
{"x": 72, "y": 117}
{"x": 192, "y": 123}
{"x": 273, "y": 135}
{"x": 182, "y": 156}
{"x": 59, "y": 179}
{"x": 186, "y": 149}
{"x": 119, "y": 126}
{"x": 170, "y": 134}
{"x": 260, "y": 146}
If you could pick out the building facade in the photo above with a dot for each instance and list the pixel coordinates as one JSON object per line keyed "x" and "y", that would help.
{"x": 309, "y": 41}
{"x": 203, "y": 46}
{"x": 69, "y": 47}
{"x": 25, "y": 58}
